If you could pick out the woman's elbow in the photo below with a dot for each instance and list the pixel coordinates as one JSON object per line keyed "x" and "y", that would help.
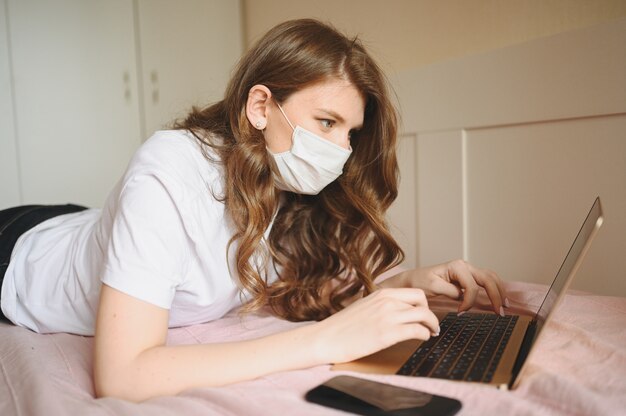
{"x": 107, "y": 387}
{"x": 115, "y": 386}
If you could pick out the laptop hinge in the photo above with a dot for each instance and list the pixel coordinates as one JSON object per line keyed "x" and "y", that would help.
{"x": 527, "y": 342}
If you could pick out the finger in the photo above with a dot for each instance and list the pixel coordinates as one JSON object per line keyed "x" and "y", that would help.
{"x": 492, "y": 292}
{"x": 501, "y": 289}
{"x": 414, "y": 331}
{"x": 410, "y": 296}
{"x": 443, "y": 287}
{"x": 461, "y": 273}
{"x": 422, "y": 316}
{"x": 493, "y": 286}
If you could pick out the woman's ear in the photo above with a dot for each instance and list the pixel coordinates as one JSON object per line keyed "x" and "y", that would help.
{"x": 257, "y": 105}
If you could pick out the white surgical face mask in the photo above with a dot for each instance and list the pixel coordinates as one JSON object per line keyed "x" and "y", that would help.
{"x": 312, "y": 162}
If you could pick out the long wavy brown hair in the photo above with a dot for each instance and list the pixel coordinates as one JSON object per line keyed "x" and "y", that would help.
{"x": 325, "y": 247}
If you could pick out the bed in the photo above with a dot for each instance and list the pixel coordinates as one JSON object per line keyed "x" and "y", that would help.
{"x": 579, "y": 368}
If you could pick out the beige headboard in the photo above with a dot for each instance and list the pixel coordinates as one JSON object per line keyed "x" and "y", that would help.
{"x": 503, "y": 153}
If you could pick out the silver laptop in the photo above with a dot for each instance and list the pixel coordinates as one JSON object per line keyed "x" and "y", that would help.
{"x": 482, "y": 347}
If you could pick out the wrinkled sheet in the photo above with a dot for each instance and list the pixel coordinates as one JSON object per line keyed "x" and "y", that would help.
{"x": 578, "y": 368}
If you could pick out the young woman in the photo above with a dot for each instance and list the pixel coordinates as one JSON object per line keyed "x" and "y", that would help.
{"x": 276, "y": 196}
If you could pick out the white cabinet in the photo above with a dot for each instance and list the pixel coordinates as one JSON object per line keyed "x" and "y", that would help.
{"x": 75, "y": 97}
{"x": 84, "y": 83}
{"x": 9, "y": 178}
{"x": 187, "y": 51}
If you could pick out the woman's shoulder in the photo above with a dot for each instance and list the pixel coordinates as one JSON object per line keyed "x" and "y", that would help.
{"x": 175, "y": 143}
{"x": 175, "y": 151}
{"x": 178, "y": 158}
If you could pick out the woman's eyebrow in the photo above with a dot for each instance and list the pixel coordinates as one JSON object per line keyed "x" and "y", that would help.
{"x": 337, "y": 117}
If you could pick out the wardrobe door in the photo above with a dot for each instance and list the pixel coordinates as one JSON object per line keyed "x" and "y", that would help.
{"x": 188, "y": 49}
{"x": 9, "y": 177}
{"x": 76, "y": 106}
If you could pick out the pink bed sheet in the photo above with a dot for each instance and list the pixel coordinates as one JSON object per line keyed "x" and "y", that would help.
{"x": 579, "y": 368}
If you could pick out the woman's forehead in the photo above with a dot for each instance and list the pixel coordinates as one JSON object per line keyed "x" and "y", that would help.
{"x": 337, "y": 95}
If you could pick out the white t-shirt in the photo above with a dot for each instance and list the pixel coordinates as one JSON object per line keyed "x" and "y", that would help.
{"x": 161, "y": 237}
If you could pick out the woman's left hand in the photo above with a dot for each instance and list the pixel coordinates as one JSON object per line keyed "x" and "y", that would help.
{"x": 457, "y": 280}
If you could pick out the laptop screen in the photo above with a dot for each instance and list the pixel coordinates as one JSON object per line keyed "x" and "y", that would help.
{"x": 570, "y": 264}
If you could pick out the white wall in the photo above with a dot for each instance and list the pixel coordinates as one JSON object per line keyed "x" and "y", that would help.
{"x": 187, "y": 50}
{"x": 406, "y": 34}
{"x": 510, "y": 149}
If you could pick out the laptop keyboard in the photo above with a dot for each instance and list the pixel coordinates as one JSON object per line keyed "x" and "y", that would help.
{"x": 468, "y": 348}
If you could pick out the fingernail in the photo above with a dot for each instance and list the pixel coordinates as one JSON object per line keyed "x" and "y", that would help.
{"x": 501, "y": 311}
{"x": 460, "y": 313}
{"x": 506, "y": 302}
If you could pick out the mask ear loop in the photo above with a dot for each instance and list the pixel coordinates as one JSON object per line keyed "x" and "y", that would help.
{"x": 285, "y": 115}
{"x": 286, "y": 118}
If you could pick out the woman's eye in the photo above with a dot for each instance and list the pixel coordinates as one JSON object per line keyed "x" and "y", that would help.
{"x": 327, "y": 123}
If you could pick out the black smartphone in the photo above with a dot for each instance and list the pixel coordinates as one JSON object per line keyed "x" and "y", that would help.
{"x": 370, "y": 398}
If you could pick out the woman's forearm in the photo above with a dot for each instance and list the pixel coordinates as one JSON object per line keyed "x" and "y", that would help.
{"x": 132, "y": 362}
{"x": 168, "y": 370}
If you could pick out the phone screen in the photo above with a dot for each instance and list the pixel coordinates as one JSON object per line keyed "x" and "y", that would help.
{"x": 372, "y": 398}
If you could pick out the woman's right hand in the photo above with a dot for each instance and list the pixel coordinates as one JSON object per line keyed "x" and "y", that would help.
{"x": 378, "y": 321}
